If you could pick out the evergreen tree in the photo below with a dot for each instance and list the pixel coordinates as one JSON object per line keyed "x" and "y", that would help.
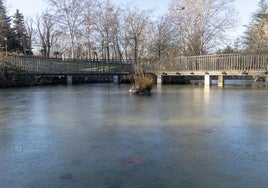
{"x": 262, "y": 12}
{"x": 22, "y": 39}
{"x": 256, "y": 36}
{"x": 6, "y": 33}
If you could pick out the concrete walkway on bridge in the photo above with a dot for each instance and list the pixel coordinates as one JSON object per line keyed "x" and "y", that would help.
{"x": 220, "y": 75}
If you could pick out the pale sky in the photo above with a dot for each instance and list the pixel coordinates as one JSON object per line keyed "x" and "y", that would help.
{"x": 30, "y": 7}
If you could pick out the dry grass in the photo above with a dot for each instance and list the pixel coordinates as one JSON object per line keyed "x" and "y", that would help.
{"x": 143, "y": 83}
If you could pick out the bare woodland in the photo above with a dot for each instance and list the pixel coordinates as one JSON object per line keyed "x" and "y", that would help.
{"x": 90, "y": 29}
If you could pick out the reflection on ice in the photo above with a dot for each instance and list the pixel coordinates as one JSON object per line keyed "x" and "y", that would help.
{"x": 100, "y": 136}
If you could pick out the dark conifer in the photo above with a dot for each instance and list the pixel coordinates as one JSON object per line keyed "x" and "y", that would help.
{"x": 21, "y": 37}
{"x": 6, "y": 33}
{"x": 256, "y": 35}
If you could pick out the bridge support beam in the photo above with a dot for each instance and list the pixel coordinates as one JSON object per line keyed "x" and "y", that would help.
{"x": 116, "y": 79}
{"x": 207, "y": 81}
{"x": 69, "y": 80}
{"x": 159, "y": 80}
{"x": 220, "y": 80}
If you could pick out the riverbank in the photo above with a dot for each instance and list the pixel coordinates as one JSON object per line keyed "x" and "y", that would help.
{"x": 13, "y": 77}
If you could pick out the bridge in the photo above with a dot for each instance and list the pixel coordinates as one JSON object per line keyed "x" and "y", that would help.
{"x": 222, "y": 66}
{"x": 69, "y": 68}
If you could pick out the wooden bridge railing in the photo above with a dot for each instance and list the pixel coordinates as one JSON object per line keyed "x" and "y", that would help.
{"x": 220, "y": 62}
{"x": 34, "y": 65}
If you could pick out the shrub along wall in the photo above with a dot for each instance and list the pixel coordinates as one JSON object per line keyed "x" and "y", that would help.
{"x": 11, "y": 76}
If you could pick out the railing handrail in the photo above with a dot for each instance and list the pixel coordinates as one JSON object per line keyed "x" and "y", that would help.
{"x": 51, "y": 66}
{"x": 214, "y": 62}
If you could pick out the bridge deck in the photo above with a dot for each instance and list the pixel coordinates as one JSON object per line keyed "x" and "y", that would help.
{"x": 77, "y": 73}
{"x": 212, "y": 73}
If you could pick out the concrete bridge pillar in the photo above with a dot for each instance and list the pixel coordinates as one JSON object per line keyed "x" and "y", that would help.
{"x": 69, "y": 80}
{"x": 116, "y": 79}
{"x": 159, "y": 80}
{"x": 207, "y": 81}
{"x": 220, "y": 80}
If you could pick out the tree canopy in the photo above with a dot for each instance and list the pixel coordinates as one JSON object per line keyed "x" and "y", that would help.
{"x": 13, "y": 35}
{"x": 100, "y": 29}
{"x": 21, "y": 37}
{"x": 256, "y": 36}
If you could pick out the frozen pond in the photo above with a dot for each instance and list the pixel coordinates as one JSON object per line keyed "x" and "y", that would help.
{"x": 99, "y": 136}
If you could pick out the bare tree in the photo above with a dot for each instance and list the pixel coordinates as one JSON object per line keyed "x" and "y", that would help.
{"x": 161, "y": 37}
{"x": 202, "y": 24}
{"x": 116, "y": 31}
{"x": 69, "y": 14}
{"x": 135, "y": 24}
{"x": 48, "y": 33}
{"x": 107, "y": 28}
{"x": 87, "y": 31}
{"x": 31, "y": 32}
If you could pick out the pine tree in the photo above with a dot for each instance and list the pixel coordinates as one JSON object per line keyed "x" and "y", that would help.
{"x": 256, "y": 36}
{"x": 22, "y": 39}
{"x": 5, "y": 29}
{"x": 7, "y": 35}
{"x": 262, "y": 13}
